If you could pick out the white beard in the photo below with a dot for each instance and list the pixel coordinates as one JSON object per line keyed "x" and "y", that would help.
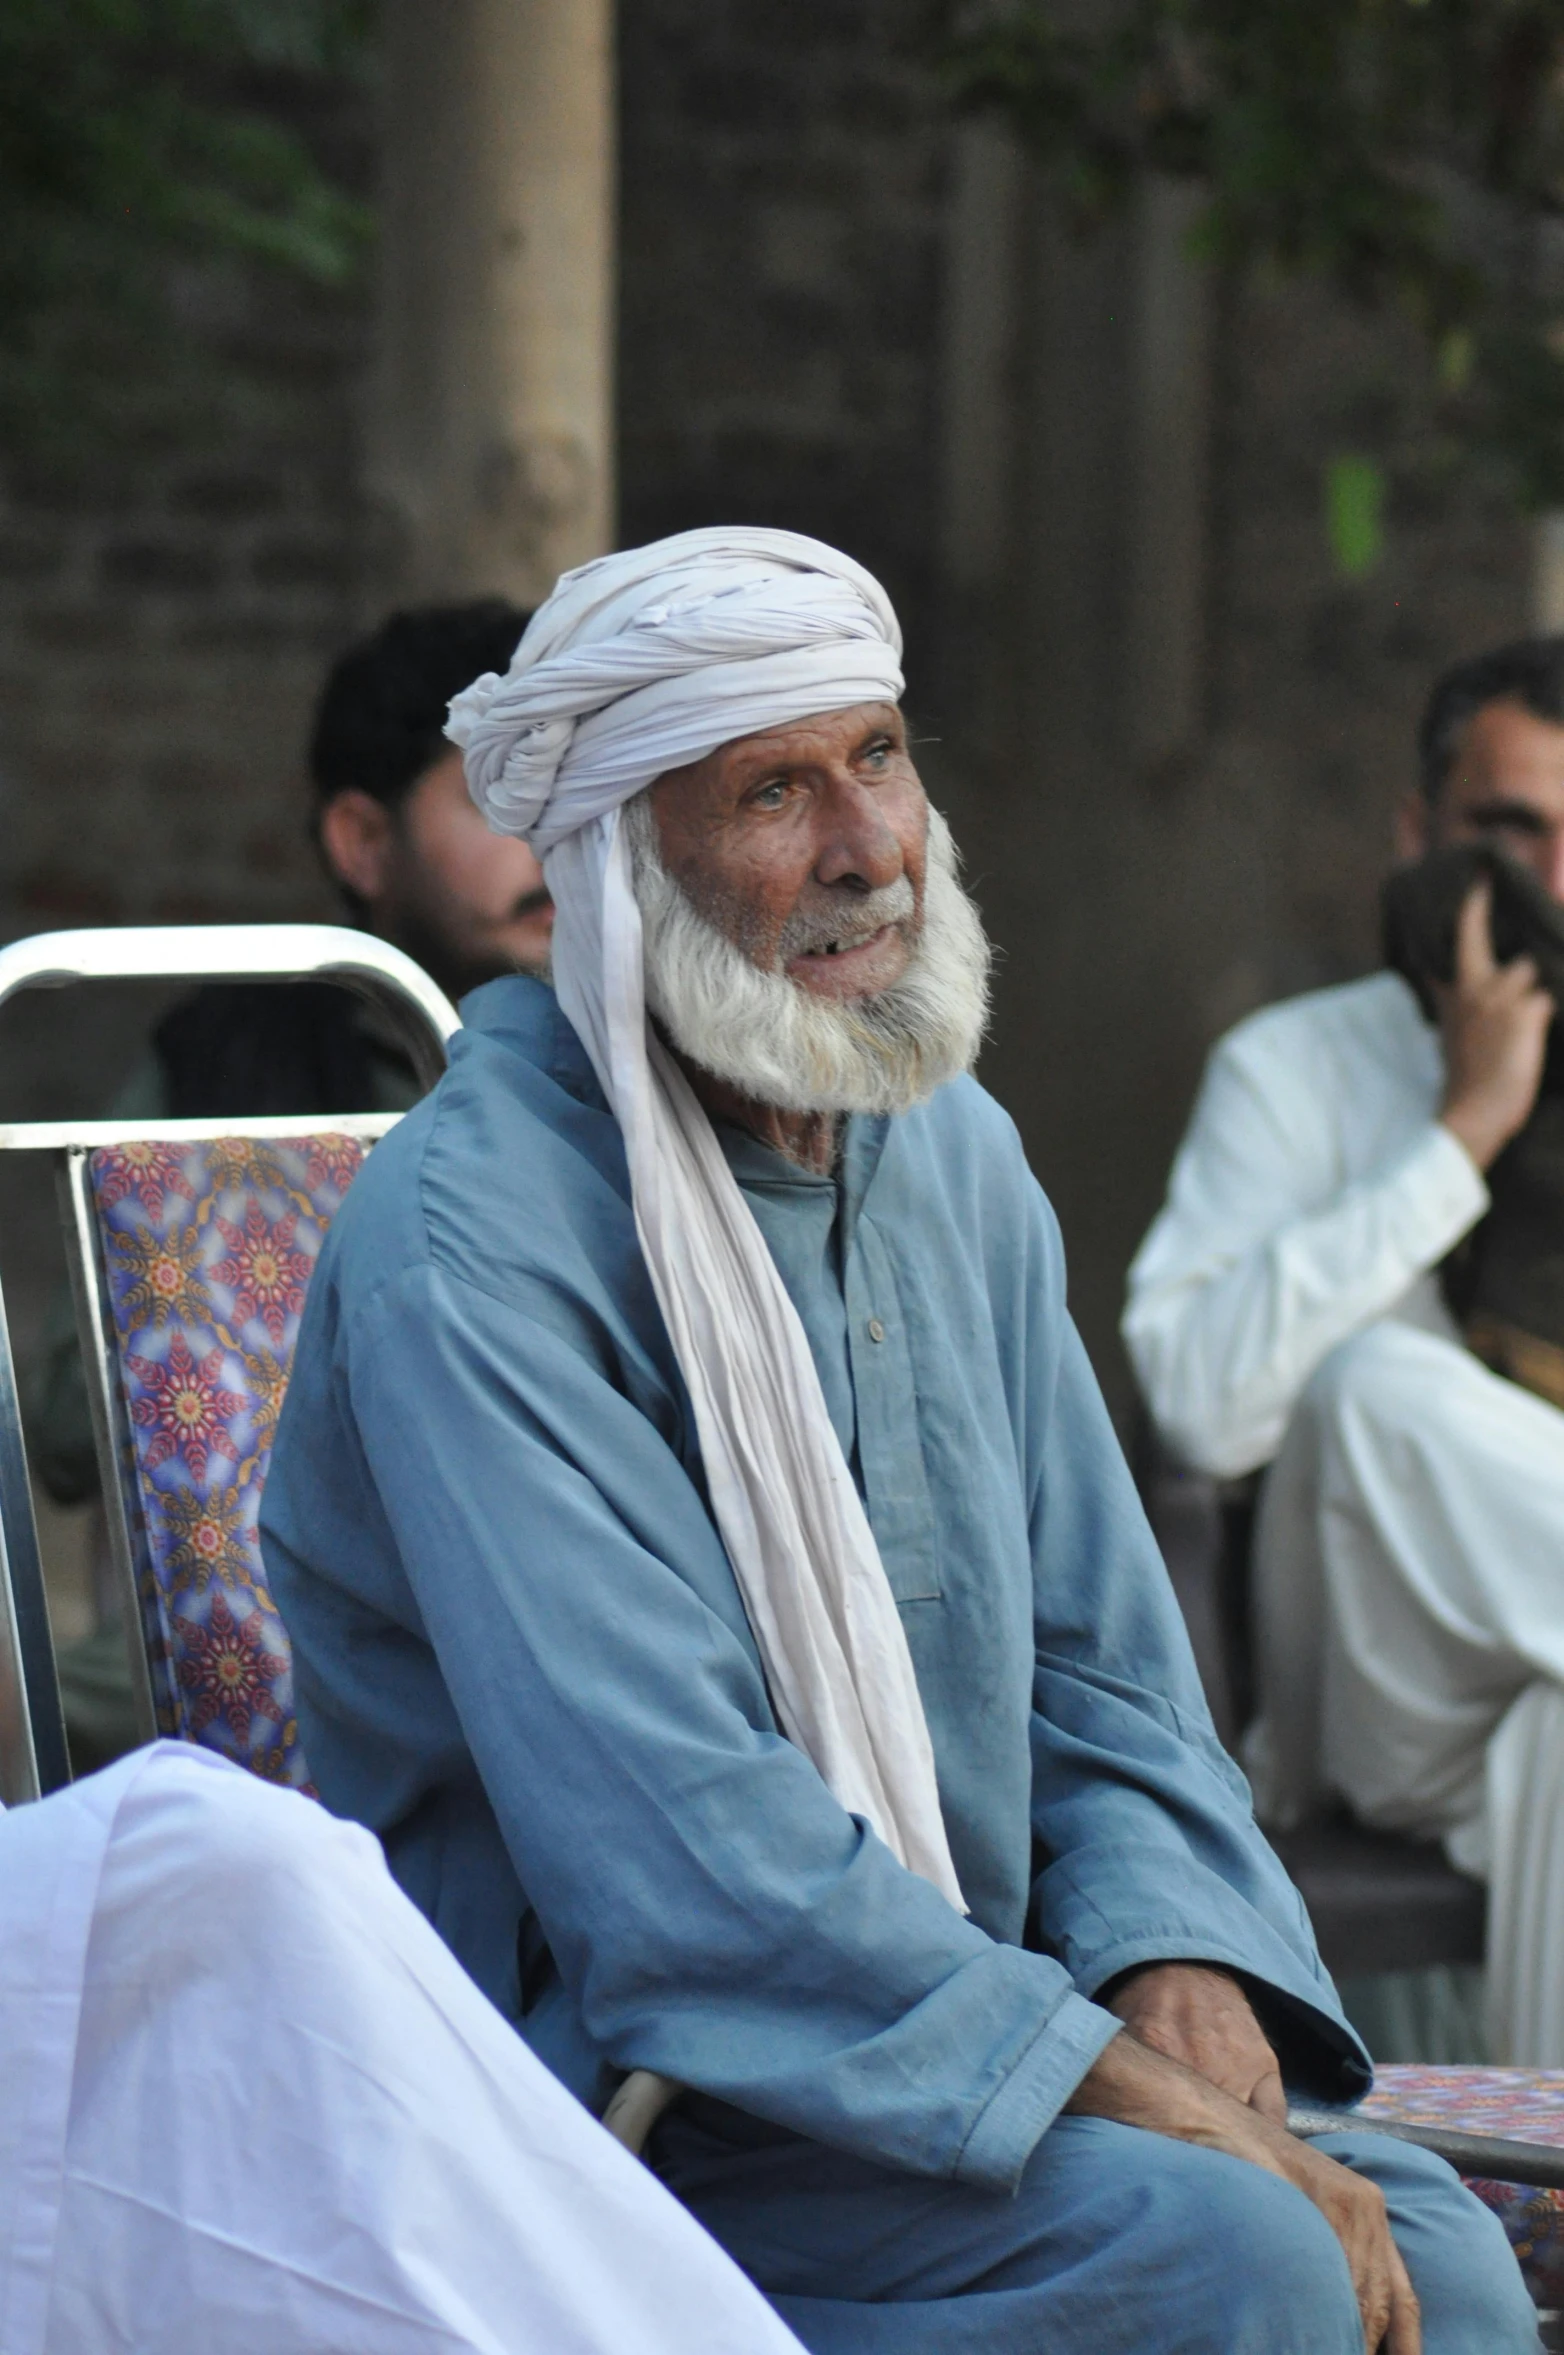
{"x": 782, "y": 1045}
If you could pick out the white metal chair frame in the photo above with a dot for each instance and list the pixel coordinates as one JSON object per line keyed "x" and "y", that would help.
{"x": 33, "y": 1755}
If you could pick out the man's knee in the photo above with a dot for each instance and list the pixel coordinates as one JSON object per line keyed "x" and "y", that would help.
{"x": 1469, "y": 2286}
{"x": 1374, "y": 1372}
{"x": 1271, "y": 2258}
{"x": 220, "y": 1843}
{"x": 1244, "y": 2260}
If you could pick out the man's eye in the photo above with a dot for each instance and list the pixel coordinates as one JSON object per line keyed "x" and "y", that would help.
{"x": 880, "y": 752}
{"x": 769, "y": 797}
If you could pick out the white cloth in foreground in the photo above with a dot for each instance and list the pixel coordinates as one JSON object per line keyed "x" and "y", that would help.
{"x": 1409, "y": 1560}
{"x": 637, "y": 664}
{"x": 250, "y": 2102}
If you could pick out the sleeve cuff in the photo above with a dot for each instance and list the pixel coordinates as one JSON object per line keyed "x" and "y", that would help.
{"x": 1444, "y": 1191}
{"x": 1010, "y": 2127}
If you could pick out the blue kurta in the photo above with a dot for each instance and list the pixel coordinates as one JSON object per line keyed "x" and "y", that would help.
{"x": 522, "y": 1657}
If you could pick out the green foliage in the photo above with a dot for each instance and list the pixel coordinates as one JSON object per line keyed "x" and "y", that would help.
{"x": 1408, "y": 151}
{"x": 134, "y": 134}
{"x": 1355, "y": 513}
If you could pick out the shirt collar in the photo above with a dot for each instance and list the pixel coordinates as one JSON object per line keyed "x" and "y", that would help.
{"x": 762, "y": 1168}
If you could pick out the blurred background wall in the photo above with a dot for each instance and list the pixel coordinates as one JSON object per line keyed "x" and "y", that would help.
{"x": 789, "y": 287}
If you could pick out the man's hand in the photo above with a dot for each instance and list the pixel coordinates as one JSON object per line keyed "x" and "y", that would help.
{"x": 1203, "y": 2018}
{"x": 1138, "y": 2087}
{"x": 1494, "y": 1019}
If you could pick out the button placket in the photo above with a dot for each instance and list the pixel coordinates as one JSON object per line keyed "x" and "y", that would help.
{"x": 890, "y": 1454}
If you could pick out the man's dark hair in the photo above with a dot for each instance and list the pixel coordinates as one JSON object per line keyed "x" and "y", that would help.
{"x": 381, "y": 718}
{"x": 1530, "y": 672}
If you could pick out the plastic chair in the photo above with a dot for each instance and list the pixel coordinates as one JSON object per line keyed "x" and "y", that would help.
{"x": 190, "y": 1249}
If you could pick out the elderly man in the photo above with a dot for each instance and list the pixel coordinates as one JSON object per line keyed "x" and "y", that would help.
{"x": 712, "y": 1573}
{"x": 1286, "y": 1305}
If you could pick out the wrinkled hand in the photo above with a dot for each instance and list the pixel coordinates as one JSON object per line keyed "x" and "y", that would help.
{"x": 1203, "y": 2018}
{"x": 1139, "y": 2087}
{"x": 1494, "y": 1019}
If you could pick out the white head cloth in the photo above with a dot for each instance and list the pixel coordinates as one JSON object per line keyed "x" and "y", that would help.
{"x": 637, "y": 664}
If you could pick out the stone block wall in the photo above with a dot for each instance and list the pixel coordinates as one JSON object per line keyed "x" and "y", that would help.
{"x": 165, "y": 612}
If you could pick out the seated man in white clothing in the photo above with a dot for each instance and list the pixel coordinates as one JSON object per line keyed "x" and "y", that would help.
{"x": 1285, "y": 1309}
{"x": 250, "y": 2102}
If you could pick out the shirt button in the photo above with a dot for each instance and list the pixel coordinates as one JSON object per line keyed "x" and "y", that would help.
{"x": 876, "y": 1329}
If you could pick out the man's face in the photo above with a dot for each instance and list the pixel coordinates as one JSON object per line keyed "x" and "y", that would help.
{"x": 808, "y": 948}
{"x": 1506, "y": 786}
{"x": 467, "y": 903}
{"x": 786, "y": 841}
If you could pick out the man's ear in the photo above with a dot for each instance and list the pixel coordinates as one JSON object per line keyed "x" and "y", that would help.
{"x": 1414, "y": 829}
{"x": 358, "y": 842}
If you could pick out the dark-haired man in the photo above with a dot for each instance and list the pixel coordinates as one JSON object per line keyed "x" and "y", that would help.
{"x": 412, "y": 861}
{"x": 394, "y": 820}
{"x": 1285, "y": 1305}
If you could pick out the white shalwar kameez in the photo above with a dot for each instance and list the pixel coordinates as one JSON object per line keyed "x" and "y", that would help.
{"x": 1410, "y": 1550}
{"x": 250, "y": 2102}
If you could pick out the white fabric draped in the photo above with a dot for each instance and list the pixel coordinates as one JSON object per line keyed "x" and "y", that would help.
{"x": 637, "y": 664}
{"x": 250, "y": 2102}
{"x": 1409, "y": 1607}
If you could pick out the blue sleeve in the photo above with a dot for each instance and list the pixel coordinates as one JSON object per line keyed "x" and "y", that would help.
{"x": 1148, "y": 1849}
{"x": 712, "y": 1910}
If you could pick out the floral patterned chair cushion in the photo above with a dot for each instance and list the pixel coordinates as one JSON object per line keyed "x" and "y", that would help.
{"x": 1527, "y": 2105}
{"x": 208, "y": 1250}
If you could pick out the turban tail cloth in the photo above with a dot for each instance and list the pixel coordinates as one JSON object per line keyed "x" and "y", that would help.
{"x": 639, "y": 663}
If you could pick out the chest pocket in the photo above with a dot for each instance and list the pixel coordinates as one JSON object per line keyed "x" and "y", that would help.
{"x": 890, "y": 1449}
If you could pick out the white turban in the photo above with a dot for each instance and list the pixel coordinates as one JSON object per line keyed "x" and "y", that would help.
{"x": 639, "y": 663}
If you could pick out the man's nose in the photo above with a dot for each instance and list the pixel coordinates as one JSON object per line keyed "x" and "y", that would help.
{"x": 858, "y": 843}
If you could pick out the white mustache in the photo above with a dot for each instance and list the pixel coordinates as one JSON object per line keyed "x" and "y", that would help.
{"x": 823, "y": 935}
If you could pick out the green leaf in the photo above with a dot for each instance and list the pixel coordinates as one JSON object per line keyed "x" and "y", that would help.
{"x": 1355, "y": 513}
{"x": 1457, "y": 353}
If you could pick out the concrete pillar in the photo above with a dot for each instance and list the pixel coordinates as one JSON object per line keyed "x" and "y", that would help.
{"x": 491, "y": 440}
